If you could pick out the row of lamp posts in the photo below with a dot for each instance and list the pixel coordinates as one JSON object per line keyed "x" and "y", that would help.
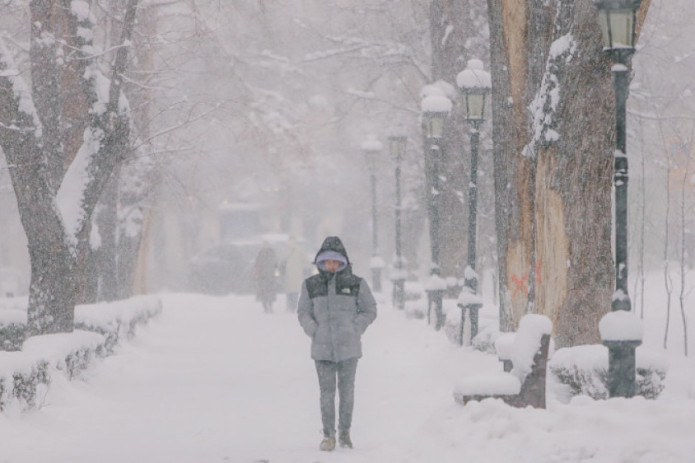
{"x": 372, "y": 148}
{"x": 617, "y": 19}
{"x": 474, "y": 84}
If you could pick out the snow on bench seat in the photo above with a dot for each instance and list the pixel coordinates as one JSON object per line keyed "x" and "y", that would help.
{"x": 492, "y": 384}
{"x": 525, "y": 384}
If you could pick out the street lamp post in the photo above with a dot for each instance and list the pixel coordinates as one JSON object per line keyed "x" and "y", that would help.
{"x": 372, "y": 148}
{"x": 435, "y": 109}
{"x": 397, "y": 145}
{"x": 617, "y": 19}
{"x": 474, "y": 84}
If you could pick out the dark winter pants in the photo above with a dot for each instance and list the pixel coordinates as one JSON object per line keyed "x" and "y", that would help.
{"x": 345, "y": 373}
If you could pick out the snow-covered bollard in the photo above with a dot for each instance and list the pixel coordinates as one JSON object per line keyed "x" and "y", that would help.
{"x": 621, "y": 333}
{"x": 398, "y": 276}
{"x": 469, "y": 300}
{"x": 376, "y": 264}
{"x": 435, "y": 287}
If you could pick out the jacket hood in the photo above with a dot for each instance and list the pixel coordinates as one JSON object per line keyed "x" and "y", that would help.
{"x": 333, "y": 243}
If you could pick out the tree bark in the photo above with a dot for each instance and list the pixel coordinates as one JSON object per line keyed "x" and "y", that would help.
{"x": 31, "y": 136}
{"x": 553, "y": 182}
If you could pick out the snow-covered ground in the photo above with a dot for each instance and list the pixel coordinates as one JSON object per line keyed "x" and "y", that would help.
{"x": 216, "y": 380}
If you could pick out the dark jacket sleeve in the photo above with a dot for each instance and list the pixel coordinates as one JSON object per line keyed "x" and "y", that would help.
{"x": 305, "y": 312}
{"x": 366, "y": 307}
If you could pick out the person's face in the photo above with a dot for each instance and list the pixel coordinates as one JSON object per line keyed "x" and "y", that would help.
{"x": 331, "y": 266}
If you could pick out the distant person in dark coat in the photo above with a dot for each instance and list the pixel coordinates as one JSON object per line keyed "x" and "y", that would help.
{"x": 264, "y": 276}
{"x": 335, "y": 307}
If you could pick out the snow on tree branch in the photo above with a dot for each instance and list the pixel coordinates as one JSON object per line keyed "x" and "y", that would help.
{"x": 21, "y": 92}
{"x": 545, "y": 103}
{"x": 96, "y": 157}
{"x": 70, "y": 196}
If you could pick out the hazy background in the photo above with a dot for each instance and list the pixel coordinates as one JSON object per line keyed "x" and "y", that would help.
{"x": 268, "y": 103}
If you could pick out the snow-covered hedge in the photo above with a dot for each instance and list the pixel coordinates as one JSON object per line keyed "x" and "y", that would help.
{"x": 583, "y": 370}
{"x": 23, "y": 380}
{"x": 117, "y": 320}
{"x": 13, "y": 317}
{"x": 25, "y": 375}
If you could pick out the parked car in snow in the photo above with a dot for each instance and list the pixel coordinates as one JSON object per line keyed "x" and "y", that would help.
{"x": 228, "y": 268}
{"x": 221, "y": 269}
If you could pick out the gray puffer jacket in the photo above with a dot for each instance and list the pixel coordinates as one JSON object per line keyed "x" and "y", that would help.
{"x": 335, "y": 309}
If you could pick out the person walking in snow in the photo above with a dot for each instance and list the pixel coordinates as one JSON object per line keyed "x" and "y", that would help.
{"x": 335, "y": 308}
{"x": 264, "y": 276}
{"x": 293, "y": 272}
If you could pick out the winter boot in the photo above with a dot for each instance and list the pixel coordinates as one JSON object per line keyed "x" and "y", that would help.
{"x": 328, "y": 443}
{"x": 344, "y": 439}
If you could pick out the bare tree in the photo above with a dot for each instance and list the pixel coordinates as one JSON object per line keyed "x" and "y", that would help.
{"x": 57, "y": 190}
{"x": 686, "y": 180}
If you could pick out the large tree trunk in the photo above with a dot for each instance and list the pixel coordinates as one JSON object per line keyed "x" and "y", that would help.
{"x": 52, "y": 288}
{"x": 553, "y": 181}
{"x": 104, "y": 256}
{"x": 509, "y": 134}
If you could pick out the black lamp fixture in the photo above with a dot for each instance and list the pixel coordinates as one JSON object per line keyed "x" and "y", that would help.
{"x": 371, "y": 148}
{"x": 474, "y": 84}
{"x": 435, "y": 110}
{"x": 397, "y": 143}
{"x": 617, "y": 19}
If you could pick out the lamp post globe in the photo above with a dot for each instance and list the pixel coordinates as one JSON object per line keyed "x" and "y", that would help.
{"x": 397, "y": 145}
{"x": 474, "y": 84}
{"x": 372, "y": 149}
{"x": 617, "y": 20}
{"x": 435, "y": 110}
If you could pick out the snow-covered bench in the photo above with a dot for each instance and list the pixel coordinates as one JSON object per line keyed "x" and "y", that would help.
{"x": 524, "y": 385}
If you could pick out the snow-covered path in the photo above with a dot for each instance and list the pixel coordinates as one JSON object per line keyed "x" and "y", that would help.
{"x": 216, "y": 380}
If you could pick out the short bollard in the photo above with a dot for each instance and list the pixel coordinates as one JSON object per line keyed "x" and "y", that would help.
{"x": 376, "y": 265}
{"x": 621, "y": 333}
{"x": 434, "y": 304}
{"x": 469, "y": 301}
{"x": 621, "y": 367}
{"x": 435, "y": 287}
{"x": 398, "y": 277}
{"x": 472, "y": 309}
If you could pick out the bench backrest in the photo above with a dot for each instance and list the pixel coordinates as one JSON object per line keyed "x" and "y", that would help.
{"x": 530, "y": 357}
{"x": 527, "y": 342}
